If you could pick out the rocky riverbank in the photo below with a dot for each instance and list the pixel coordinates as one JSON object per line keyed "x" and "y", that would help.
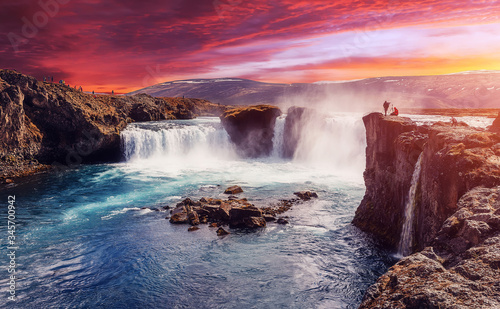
{"x": 43, "y": 125}
{"x": 456, "y": 219}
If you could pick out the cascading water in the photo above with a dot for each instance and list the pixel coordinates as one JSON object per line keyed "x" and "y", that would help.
{"x": 336, "y": 143}
{"x": 279, "y": 129}
{"x": 406, "y": 239}
{"x": 201, "y": 139}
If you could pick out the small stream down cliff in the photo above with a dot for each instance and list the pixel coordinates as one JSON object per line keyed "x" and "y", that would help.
{"x": 406, "y": 240}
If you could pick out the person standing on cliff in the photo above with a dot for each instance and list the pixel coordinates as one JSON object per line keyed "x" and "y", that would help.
{"x": 386, "y": 107}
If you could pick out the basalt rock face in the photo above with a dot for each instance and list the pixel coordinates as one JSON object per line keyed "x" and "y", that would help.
{"x": 54, "y": 123}
{"x": 456, "y": 216}
{"x": 251, "y": 128}
{"x": 495, "y": 127}
{"x": 459, "y": 269}
{"x": 454, "y": 161}
{"x": 393, "y": 147}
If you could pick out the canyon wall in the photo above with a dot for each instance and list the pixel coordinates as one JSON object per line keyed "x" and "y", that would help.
{"x": 456, "y": 218}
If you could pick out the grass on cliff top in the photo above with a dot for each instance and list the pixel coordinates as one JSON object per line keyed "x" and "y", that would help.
{"x": 260, "y": 108}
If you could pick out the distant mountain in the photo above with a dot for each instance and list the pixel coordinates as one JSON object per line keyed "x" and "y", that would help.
{"x": 473, "y": 89}
{"x": 227, "y": 91}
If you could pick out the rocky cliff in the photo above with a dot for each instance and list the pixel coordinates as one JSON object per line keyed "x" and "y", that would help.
{"x": 46, "y": 123}
{"x": 495, "y": 127}
{"x": 455, "y": 220}
{"x": 251, "y": 128}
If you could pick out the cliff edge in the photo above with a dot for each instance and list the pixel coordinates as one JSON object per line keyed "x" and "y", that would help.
{"x": 455, "y": 222}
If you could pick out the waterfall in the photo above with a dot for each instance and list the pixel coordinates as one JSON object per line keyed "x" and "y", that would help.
{"x": 195, "y": 140}
{"x": 279, "y": 129}
{"x": 336, "y": 143}
{"x": 406, "y": 239}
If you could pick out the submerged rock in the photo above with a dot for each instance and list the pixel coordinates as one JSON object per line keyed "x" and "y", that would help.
{"x": 222, "y": 232}
{"x": 251, "y": 128}
{"x": 282, "y": 221}
{"x": 306, "y": 195}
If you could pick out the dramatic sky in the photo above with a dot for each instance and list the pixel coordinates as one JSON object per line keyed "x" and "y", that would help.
{"x": 126, "y": 45}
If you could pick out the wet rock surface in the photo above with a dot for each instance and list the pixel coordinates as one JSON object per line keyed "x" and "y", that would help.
{"x": 296, "y": 122}
{"x": 235, "y": 213}
{"x": 306, "y": 195}
{"x": 233, "y": 190}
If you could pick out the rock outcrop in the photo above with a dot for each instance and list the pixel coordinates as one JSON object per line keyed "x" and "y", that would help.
{"x": 297, "y": 119}
{"x": 456, "y": 216}
{"x": 251, "y": 128}
{"x": 237, "y": 213}
{"x": 495, "y": 127}
{"x": 42, "y": 123}
{"x": 459, "y": 270}
{"x": 233, "y": 190}
{"x": 393, "y": 147}
{"x": 454, "y": 161}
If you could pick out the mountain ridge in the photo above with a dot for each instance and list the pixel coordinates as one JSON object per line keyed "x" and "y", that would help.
{"x": 470, "y": 89}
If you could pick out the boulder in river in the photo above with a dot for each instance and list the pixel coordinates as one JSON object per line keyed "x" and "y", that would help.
{"x": 306, "y": 195}
{"x": 251, "y": 128}
{"x": 233, "y": 190}
{"x": 222, "y": 232}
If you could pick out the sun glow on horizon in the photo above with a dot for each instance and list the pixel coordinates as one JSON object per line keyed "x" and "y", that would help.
{"x": 286, "y": 42}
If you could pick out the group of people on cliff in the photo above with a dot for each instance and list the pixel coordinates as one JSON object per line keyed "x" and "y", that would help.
{"x": 393, "y": 110}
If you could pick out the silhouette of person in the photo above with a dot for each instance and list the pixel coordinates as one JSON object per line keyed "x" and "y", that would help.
{"x": 386, "y": 107}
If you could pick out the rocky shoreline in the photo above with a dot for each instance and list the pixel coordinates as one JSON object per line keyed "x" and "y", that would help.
{"x": 456, "y": 221}
{"x": 47, "y": 125}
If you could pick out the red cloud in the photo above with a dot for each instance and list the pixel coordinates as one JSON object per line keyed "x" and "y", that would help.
{"x": 101, "y": 43}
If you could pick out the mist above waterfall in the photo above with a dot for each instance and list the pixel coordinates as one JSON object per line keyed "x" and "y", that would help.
{"x": 333, "y": 144}
{"x": 336, "y": 142}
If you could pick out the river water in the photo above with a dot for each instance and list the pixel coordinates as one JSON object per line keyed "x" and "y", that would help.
{"x": 85, "y": 242}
